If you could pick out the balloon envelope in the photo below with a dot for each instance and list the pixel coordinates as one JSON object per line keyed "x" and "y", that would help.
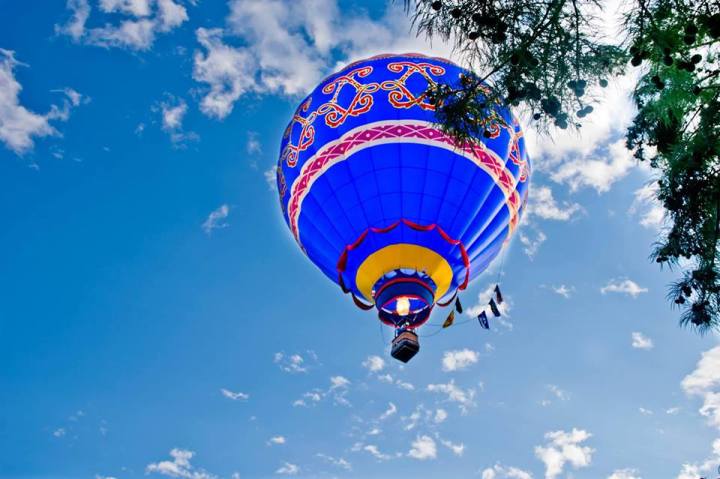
{"x": 385, "y": 203}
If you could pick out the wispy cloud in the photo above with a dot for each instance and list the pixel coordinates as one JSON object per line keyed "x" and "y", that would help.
{"x": 19, "y": 126}
{"x": 465, "y": 398}
{"x": 640, "y": 341}
{"x": 293, "y": 363}
{"x": 563, "y": 290}
{"x": 373, "y": 450}
{"x": 532, "y": 245}
{"x": 391, "y": 410}
{"x": 557, "y": 392}
{"x": 139, "y": 22}
{"x": 235, "y": 396}
{"x": 338, "y": 390}
{"x": 288, "y": 469}
{"x": 648, "y": 208}
{"x": 457, "y": 449}
{"x": 336, "y": 461}
{"x": 172, "y": 111}
{"x": 216, "y": 219}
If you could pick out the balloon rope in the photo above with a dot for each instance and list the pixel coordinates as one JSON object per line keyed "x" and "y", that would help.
{"x": 501, "y": 271}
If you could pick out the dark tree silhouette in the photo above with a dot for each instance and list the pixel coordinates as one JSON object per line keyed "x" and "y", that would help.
{"x": 547, "y": 57}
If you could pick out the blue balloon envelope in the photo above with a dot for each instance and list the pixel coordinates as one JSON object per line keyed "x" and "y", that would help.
{"x": 383, "y": 201}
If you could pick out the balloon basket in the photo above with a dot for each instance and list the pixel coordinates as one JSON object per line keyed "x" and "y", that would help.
{"x": 405, "y": 346}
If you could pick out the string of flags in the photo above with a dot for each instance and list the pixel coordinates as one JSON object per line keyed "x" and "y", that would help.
{"x": 496, "y": 299}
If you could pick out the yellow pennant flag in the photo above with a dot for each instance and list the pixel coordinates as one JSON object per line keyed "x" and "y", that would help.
{"x": 450, "y": 319}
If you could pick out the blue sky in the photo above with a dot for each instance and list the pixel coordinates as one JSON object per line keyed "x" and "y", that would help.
{"x": 157, "y": 319}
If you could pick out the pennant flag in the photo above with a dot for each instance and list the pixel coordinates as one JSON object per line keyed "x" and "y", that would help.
{"x": 450, "y": 319}
{"x": 494, "y": 308}
{"x": 498, "y": 294}
{"x": 458, "y": 305}
{"x": 482, "y": 318}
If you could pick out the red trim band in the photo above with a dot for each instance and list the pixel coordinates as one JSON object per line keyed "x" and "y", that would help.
{"x": 342, "y": 261}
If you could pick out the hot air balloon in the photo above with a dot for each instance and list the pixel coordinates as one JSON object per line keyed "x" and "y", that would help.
{"x": 385, "y": 203}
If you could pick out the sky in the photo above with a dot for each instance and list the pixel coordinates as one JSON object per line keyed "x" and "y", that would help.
{"x": 157, "y": 319}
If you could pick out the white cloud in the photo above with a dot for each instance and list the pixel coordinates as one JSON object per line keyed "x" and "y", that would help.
{"x": 499, "y": 471}
{"x": 229, "y": 72}
{"x": 532, "y": 246}
{"x": 708, "y": 466}
{"x": 625, "y": 286}
{"x": 59, "y": 432}
{"x": 404, "y": 385}
{"x": 138, "y": 8}
{"x": 339, "y": 462}
{"x": 459, "y": 359}
{"x": 564, "y": 448}
{"x": 542, "y": 204}
{"x": 374, "y": 364}
{"x": 288, "y": 469}
{"x": 625, "y": 474}
{"x": 385, "y": 378}
{"x": 595, "y": 156}
{"x": 253, "y": 145}
{"x": 338, "y": 390}
{"x": 640, "y": 341}
{"x": 645, "y": 412}
{"x": 179, "y": 466}
{"x": 216, "y": 219}
{"x": 170, "y": 15}
{"x": 172, "y": 115}
{"x": 440, "y": 416}
{"x": 672, "y": 411}
{"x": 412, "y": 420}
{"x": 18, "y": 125}
{"x": 612, "y": 163}
{"x": 235, "y": 396}
{"x": 276, "y": 440}
{"x": 563, "y": 290}
{"x": 75, "y": 27}
{"x": 391, "y": 410}
{"x": 173, "y": 112}
{"x": 285, "y": 48}
{"x": 557, "y": 392}
{"x": 140, "y": 22}
{"x": 648, "y": 207}
{"x": 464, "y": 397}
{"x": 423, "y": 448}
{"x": 373, "y": 450}
{"x": 271, "y": 178}
{"x": 704, "y": 381}
{"x": 293, "y": 363}
{"x": 457, "y": 449}
{"x": 339, "y": 382}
